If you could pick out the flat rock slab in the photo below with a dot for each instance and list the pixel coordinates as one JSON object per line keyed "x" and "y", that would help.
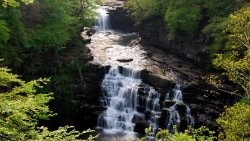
{"x": 124, "y": 60}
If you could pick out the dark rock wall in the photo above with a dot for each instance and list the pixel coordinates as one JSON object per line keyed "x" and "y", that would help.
{"x": 87, "y": 102}
{"x": 205, "y": 107}
{"x": 119, "y": 21}
{"x": 154, "y": 32}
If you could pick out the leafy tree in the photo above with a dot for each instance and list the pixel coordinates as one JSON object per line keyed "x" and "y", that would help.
{"x": 15, "y": 3}
{"x": 235, "y": 61}
{"x": 140, "y": 10}
{"x": 32, "y": 29}
{"x": 182, "y": 16}
{"x": 235, "y": 123}
{"x": 22, "y": 106}
{"x": 222, "y": 8}
{"x": 200, "y": 134}
{"x": 4, "y": 30}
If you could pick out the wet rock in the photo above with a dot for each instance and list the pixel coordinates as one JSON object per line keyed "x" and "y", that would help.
{"x": 86, "y": 34}
{"x": 119, "y": 20}
{"x": 183, "y": 125}
{"x": 181, "y": 108}
{"x": 124, "y": 60}
{"x": 164, "y": 117}
{"x": 141, "y": 126}
{"x": 108, "y": 33}
{"x": 156, "y": 81}
{"x": 137, "y": 118}
{"x": 141, "y": 109}
{"x": 169, "y": 103}
{"x": 150, "y": 138}
{"x": 147, "y": 115}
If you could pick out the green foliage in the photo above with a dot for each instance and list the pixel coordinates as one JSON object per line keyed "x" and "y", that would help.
{"x": 214, "y": 31}
{"x": 235, "y": 61}
{"x": 182, "y": 16}
{"x": 41, "y": 27}
{"x": 49, "y": 36}
{"x": 200, "y": 134}
{"x": 21, "y": 107}
{"x": 66, "y": 133}
{"x": 15, "y": 3}
{"x": 140, "y": 10}
{"x": 222, "y": 8}
{"x": 4, "y": 31}
{"x": 235, "y": 123}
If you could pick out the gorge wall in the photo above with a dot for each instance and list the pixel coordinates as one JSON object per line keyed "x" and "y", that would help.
{"x": 154, "y": 31}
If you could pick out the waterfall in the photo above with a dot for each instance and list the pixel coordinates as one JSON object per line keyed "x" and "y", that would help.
{"x": 124, "y": 92}
{"x": 120, "y": 90}
{"x": 102, "y": 23}
{"x": 174, "y": 116}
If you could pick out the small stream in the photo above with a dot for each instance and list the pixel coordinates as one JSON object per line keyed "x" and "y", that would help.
{"x": 129, "y": 102}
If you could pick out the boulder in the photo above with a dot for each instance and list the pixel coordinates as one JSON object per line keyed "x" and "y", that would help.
{"x": 124, "y": 60}
{"x": 141, "y": 126}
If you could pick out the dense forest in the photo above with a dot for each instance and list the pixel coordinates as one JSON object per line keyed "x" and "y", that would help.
{"x": 40, "y": 41}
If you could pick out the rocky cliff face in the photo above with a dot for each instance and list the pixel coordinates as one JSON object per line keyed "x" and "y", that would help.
{"x": 154, "y": 31}
{"x": 76, "y": 86}
{"x": 205, "y": 107}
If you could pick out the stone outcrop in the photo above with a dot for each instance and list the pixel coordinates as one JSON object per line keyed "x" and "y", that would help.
{"x": 86, "y": 34}
{"x": 119, "y": 20}
{"x": 154, "y": 32}
{"x": 87, "y": 102}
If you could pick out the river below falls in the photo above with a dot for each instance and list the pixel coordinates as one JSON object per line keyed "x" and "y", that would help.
{"x": 117, "y": 137}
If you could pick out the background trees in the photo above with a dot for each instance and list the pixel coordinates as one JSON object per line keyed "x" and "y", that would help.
{"x": 30, "y": 29}
{"x": 32, "y": 34}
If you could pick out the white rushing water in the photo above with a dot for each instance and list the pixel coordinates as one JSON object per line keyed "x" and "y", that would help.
{"x": 174, "y": 117}
{"x": 120, "y": 99}
{"x": 102, "y": 23}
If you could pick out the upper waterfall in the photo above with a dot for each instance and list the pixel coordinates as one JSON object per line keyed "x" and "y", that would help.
{"x": 103, "y": 22}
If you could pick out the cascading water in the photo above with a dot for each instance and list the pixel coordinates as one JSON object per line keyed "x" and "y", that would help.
{"x": 103, "y": 22}
{"x": 122, "y": 99}
{"x": 129, "y": 101}
{"x": 174, "y": 116}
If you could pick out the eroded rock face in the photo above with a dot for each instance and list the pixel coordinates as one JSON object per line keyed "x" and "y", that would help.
{"x": 206, "y": 108}
{"x": 119, "y": 21}
{"x": 87, "y": 103}
{"x": 154, "y": 32}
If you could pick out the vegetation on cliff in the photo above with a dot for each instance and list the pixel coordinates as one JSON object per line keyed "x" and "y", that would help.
{"x": 225, "y": 25}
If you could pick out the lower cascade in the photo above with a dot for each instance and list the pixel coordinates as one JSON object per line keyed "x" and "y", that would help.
{"x": 130, "y": 102}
